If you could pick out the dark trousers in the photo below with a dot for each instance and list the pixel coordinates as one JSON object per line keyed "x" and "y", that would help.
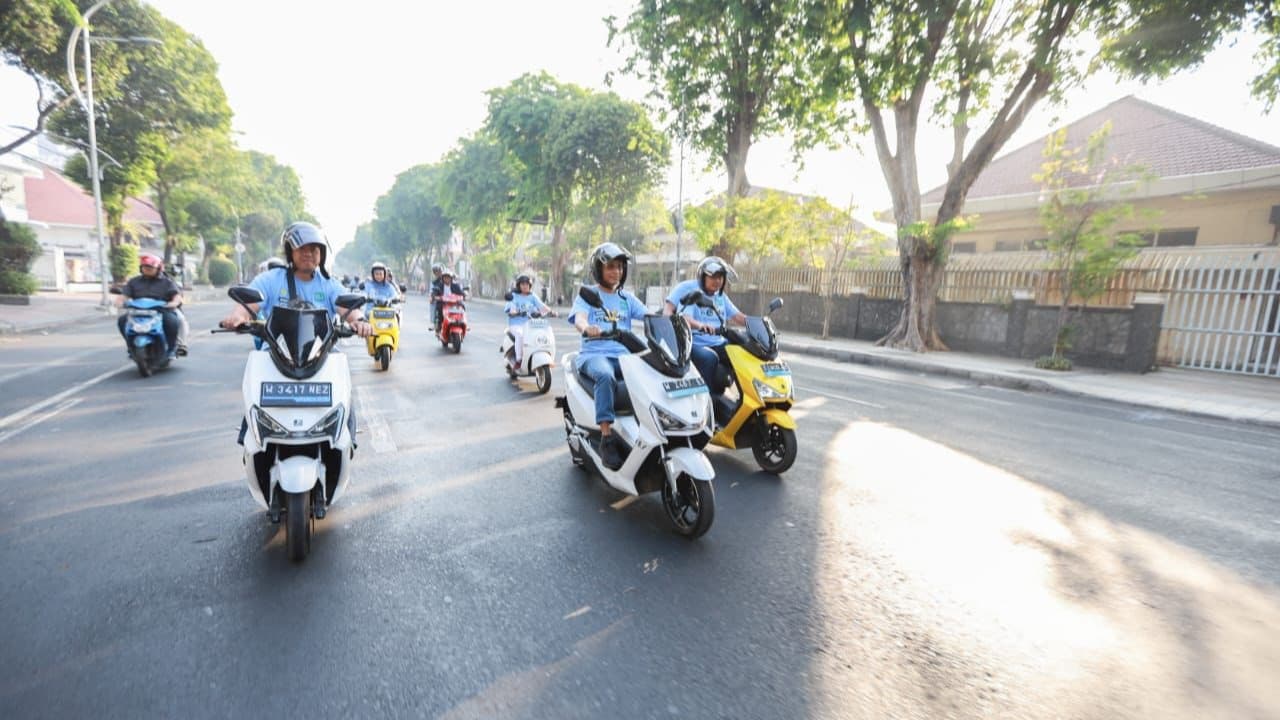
{"x": 707, "y": 360}
{"x": 170, "y": 320}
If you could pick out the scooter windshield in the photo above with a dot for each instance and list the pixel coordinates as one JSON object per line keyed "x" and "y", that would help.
{"x": 763, "y": 338}
{"x": 669, "y": 339}
{"x": 295, "y": 334}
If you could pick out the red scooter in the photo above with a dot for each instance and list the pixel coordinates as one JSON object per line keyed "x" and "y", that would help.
{"x": 453, "y": 327}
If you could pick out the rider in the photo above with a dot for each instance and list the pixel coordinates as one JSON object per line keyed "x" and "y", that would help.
{"x": 154, "y": 284}
{"x": 444, "y": 285}
{"x": 712, "y": 278}
{"x": 304, "y": 278}
{"x": 379, "y": 286}
{"x": 523, "y": 300}
{"x": 598, "y": 358}
{"x": 436, "y": 269}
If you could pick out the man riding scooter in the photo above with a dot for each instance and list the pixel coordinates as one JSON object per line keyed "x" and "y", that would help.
{"x": 153, "y": 284}
{"x": 712, "y": 278}
{"x": 384, "y": 296}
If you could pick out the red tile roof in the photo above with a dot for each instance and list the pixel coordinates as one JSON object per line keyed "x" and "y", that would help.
{"x": 54, "y": 200}
{"x": 1168, "y": 143}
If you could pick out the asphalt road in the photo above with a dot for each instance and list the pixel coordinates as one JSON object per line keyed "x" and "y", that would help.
{"x": 940, "y": 549}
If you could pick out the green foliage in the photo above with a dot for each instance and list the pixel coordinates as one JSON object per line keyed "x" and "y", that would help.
{"x": 222, "y": 272}
{"x": 124, "y": 261}
{"x": 1084, "y": 188}
{"x": 19, "y": 248}
{"x": 410, "y": 220}
{"x": 1053, "y": 362}
{"x": 358, "y": 254}
{"x": 479, "y": 185}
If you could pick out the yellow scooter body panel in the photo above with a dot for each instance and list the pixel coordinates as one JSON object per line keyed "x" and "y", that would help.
{"x": 386, "y": 330}
{"x": 748, "y": 368}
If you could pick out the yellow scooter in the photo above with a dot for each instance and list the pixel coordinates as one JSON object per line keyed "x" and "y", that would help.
{"x": 385, "y": 340}
{"x": 753, "y": 412}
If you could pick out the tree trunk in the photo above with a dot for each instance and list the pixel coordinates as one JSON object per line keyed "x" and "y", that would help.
{"x": 735, "y": 162}
{"x": 557, "y": 258}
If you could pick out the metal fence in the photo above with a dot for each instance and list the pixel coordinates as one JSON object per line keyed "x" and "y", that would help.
{"x": 1221, "y": 312}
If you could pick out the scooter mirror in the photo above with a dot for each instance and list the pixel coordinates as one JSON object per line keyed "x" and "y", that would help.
{"x": 245, "y": 295}
{"x": 775, "y": 304}
{"x": 691, "y": 298}
{"x": 507, "y": 297}
{"x": 590, "y": 296}
{"x": 115, "y": 291}
{"x": 403, "y": 288}
{"x": 350, "y": 301}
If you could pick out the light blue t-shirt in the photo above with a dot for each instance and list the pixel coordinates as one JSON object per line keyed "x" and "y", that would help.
{"x": 701, "y": 314}
{"x": 274, "y": 286}
{"x": 380, "y": 290}
{"x": 523, "y": 302}
{"x": 623, "y": 306}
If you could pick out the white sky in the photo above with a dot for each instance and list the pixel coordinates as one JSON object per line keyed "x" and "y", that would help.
{"x": 351, "y": 94}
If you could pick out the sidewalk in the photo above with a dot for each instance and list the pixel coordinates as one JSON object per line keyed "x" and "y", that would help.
{"x": 52, "y": 310}
{"x": 1225, "y": 396}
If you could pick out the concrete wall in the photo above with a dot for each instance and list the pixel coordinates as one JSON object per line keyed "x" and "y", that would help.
{"x": 1114, "y": 338}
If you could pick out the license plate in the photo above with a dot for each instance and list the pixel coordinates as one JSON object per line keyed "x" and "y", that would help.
{"x": 684, "y": 387}
{"x": 296, "y": 394}
{"x": 384, "y": 314}
{"x": 775, "y": 369}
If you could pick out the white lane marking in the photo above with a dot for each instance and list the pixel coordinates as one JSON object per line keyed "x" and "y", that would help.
{"x": 577, "y": 613}
{"x": 22, "y": 414}
{"x": 22, "y": 428}
{"x": 46, "y": 365}
{"x": 840, "y": 397}
{"x": 379, "y": 432}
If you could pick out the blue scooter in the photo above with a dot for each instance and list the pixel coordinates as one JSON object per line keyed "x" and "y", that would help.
{"x": 144, "y": 334}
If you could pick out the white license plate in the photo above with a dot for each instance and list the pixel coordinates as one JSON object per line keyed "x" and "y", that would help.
{"x": 295, "y": 394}
{"x": 684, "y": 387}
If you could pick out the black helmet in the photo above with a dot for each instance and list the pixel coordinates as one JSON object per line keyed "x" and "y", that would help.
{"x": 304, "y": 233}
{"x": 379, "y": 266}
{"x": 523, "y": 278}
{"x": 606, "y": 253}
{"x": 713, "y": 265}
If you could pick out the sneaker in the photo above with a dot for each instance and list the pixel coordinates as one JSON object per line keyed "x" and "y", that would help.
{"x": 182, "y": 351}
{"x": 609, "y": 453}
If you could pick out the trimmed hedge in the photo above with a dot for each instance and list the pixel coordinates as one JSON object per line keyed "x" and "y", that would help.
{"x": 222, "y": 272}
{"x": 124, "y": 262}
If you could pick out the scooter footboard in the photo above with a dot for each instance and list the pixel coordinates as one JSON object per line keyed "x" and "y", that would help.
{"x": 693, "y": 463}
{"x": 298, "y": 474}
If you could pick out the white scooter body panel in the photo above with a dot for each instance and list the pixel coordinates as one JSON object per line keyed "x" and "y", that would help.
{"x": 640, "y": 428}
{"x": 259, "y": 369}
{"x": 537, "y": 346}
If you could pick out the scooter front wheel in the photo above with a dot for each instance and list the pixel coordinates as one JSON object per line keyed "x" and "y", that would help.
{"x": 543, "y": 378}
{"x": 692, "y": 508}
{"x": 298, "y": 525}
{"x": 384, "y": 357}
{"x": 144, "y": 365}
{"x": 456, "y": 342}
{"x": 776, "y": 449}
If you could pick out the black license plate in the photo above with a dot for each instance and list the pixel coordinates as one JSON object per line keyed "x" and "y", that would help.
{"x": 296, "y": 394}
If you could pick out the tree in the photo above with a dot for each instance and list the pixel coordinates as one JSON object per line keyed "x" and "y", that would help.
{"x": 410, "y": 220}
{"x": 1083, "y": 188}
{"x": 728, "y": 72}
{"x": 478, "y": 186}
{"x": 983, "y": 62}
{"x": 360, "y": 253}
{"x": 18, "y": 249}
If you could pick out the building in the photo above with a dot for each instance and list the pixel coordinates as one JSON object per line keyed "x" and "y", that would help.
{"x": 1212, "y": 187}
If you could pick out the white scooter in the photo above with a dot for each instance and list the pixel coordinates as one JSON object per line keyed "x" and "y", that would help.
{"x": 533, "y": 355}
{"x": 663, "y": 412}
{"x": 298, "y": 409}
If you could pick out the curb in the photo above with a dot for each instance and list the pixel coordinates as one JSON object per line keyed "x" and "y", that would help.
{"x": 8, "y": 328}
{"x": 996, "y": 379}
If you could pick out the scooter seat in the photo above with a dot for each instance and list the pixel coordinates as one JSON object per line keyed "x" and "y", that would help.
{"x": 621, "y": 398}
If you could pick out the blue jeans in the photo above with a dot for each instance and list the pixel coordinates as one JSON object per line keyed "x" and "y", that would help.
{"x": 706, "y": 359}
{"x": 605, "y": 371}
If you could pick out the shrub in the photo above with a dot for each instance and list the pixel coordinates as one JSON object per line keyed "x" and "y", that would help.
{"x": 18, "y": 249}
{"x": 124, "y": 261}
{"x": 222, "y": 272}
{"x": 1050, "y": 362}
{"x": 13, "y": 282}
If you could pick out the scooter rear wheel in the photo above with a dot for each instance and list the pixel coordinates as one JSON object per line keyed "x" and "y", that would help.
{"x": 693, "y": 507}
{"x": 298, "y": 525}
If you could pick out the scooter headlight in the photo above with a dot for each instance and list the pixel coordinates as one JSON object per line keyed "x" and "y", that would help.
{"x": 768, "y": 392}
{"x": 265, "y": 425}
{"x": 384, "y": 326}
{"x": 669, "y": 422}
{"x": 329, "y": 426}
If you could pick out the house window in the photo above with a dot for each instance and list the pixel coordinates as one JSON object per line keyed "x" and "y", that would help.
{"x": 1038, "y": 244}
{"x": 964, "y": 247}
{"x": 1008, "y": 245}
{"x": 1179, "y": 237}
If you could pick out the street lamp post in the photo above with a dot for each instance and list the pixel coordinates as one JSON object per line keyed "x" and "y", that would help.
{"x": 86, "y": 100}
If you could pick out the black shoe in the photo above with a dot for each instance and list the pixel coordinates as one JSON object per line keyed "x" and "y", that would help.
{"x": 609, "y": 453}
{"x": 181, "y": 351}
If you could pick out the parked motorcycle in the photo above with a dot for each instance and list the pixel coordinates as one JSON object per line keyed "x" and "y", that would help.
{"x": 532, "y": 356}
{"x": 453, "y": 326}
{"x": 663, "y": 420}
{"x": 298, "y": 407}
{"x": 756, "y": 414}
{"x": 144, "y": 334}
{"x": 385, "y": 340}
